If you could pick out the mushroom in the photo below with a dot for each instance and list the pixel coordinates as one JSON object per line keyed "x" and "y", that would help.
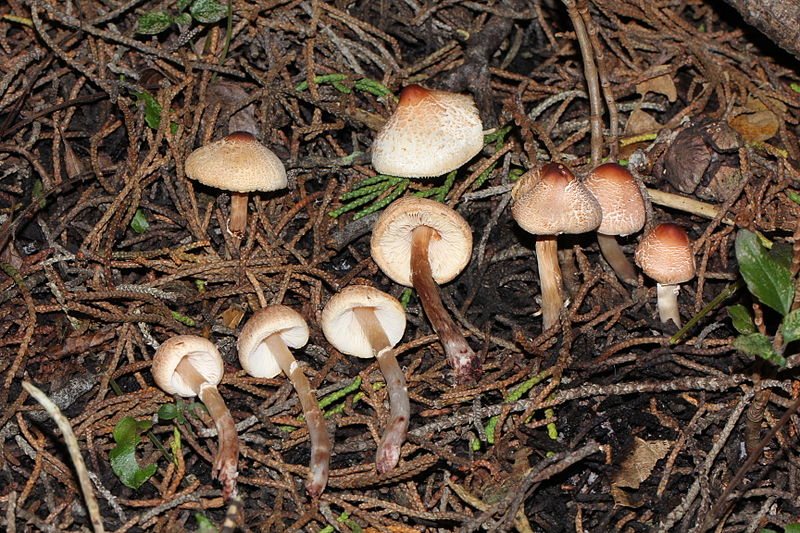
{"x": 365, "y": 322}
{"x": 264, "y": 344}
{"x": 419, "y": 242}
{"x": 240, "y": 164}
{"x": 555, "y": 203}
{"x": 665, "y": 254}
{"x": 188, "y": 366}
{"x": 429, "y": 134}
{"x": 623, "y": 214}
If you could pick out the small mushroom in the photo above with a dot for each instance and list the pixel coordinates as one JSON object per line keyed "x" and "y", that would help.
{"x": 188, "y": 366}
{"x": 665, "y": 254}
{"x": 429, "y": 134}
{"x": 623, "y": 213}
{"x": 240, "y": 164}
{"x": 264, "y": 353}
{"x": 365, "y": 322}
{"x": 419, "y": 242}
{"x": 555, "y": 203}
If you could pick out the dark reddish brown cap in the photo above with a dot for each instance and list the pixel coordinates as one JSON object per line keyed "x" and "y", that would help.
{"x": 665, "y": 254}
{"x": 619, "y": 197}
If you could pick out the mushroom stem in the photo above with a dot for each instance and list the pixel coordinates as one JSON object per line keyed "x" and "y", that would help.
{"x": 394, "y": 434}
{"x": 668, "y": 303}
{"x": 317, "y": 432}
{"x": 465, "y": 363}
{"x": 613, "y": 253}
{"x": 238, "y": 221}
{"x": 226, "y": 462}
{"x": 549, "y": 278}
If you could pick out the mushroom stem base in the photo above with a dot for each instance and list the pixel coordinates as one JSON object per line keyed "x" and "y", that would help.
{"x": 238, "y": 222}
{"x": 668, "y": 303}
{"x": 465, "y": 363}
{"x": 317, "y": 432}
{"x": 550, "y": 279}
{"x": 613, "y": 253}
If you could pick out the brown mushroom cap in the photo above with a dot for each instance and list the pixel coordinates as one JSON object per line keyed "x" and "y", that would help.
{"x": 342, "y": 329}
{"x": 202, "y": 354}
{"x": 254, "y": 355}
{"x": 237, "y": 163}
{"x": 449, "y": 250}
{"x": 556, "y": 203}
{"x": 665, "y": 254}
{"x": 430, "y": 133}
{"x": 620, "y": 199}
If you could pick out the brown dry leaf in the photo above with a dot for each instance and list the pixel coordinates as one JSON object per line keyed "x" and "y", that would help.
{"x": 231, "y": 317}
{"x": 660, "y": 84}
{"x": 636, "y": 468}
{"x": 756, "y": 127}
{"x": 641, "y": 122}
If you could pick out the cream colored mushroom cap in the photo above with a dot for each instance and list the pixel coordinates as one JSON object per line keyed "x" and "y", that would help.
{"x": 555, "y": 203}
{"x": 254, "y": 355}
{"x": 429, "y": 134}
{"x": 202, "y": 354}
{"x": 341, "y": 327}
{"x": 237, "y": 163}
{"x": 448, "y": 252}
{"x": 665, "y": 254}
{"x": 620, "y": 199}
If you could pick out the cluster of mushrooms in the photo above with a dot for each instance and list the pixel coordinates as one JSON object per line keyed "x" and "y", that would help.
{"x": 418, "y": 243}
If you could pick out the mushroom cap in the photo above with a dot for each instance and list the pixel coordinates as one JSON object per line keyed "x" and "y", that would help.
{"x": 254, "y": 355}
{"x": 237, "y": 163}
{"x": 448, "y": 252}
{"x": 429, "y": 134}
{"x": 341, "y": 327}
{"x": 665, "y": 254}
{"x": 619, "y": 197}
{"x": 556, "y": 203}
{"x": 200, "y": 351}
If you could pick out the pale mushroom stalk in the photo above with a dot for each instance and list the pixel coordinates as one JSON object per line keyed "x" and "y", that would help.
{"x": 317, "y": 432}
{"x": 462, "y": 359}
{"x": 668, "y": 303}
{"x": 549, "y": 278}
{"x": 613, "y": 253}
{"x": 227, "y": 458}
{"x": 238, "y": 220}
{"x": 394, "y": 435}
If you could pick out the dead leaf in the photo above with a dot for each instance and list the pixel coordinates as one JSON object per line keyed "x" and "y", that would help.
{"x": 661, "y": 84}
{"x": 636, "y": 468}
{"x": 756, "y": 127}
{"x": 640, "y": 122}
{"x": 231, "y": 317}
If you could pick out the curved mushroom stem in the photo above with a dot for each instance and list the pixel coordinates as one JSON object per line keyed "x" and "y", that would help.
{"x": 226, "y": 462}
{"x": 400, "y": 410}
{"x": 668, "y": 303}
{"x": 465, "y": 363}
{"x": 613, "y": 253}
{"x": 317, "y": 432}
{"x": 549, "y": 278}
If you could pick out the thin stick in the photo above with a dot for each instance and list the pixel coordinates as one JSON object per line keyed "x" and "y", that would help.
{"x": 74, "y": 453}
{"x": 689, "y": 205}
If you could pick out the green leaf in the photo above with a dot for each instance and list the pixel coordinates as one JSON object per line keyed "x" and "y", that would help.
{"x": 168, "y": 411}
{"x": 154, "y": 22}
{"x": 204, "y": 525}
{"x": 175, "y": 447}
{"x": 791, "y": 528}
{"x": 793, "y": 196}
{"x": 741, "y": 319}
{"x": 791, "y": 326}
{"x": 766, "y": 278}
{"x": 127, "y": 434}
{"x": 208, "y": 11}
{"x": 152, "y": 109}
{"x": 795, "y": 87}
{"x": 183, "y": 20}
{"x": 760, "y": 345}
{"x": 139, "y": 222}
{"x": 183, "y": 4}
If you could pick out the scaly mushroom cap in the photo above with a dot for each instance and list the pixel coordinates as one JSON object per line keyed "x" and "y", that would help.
{"x": 449, "y": 250}
{"x": 237, "y": 163}
{"x": 200, "y": 351}
{"x": 430, "y": 133}
{"x": 254, "y": 355}
{"x": 620, "y": 199}
{"x": 556, "y": 203}
{"x": 665, "y": 254}
{"x": 342, "y": 329}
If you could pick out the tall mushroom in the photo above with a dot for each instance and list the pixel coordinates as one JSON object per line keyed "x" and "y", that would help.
{"x": 264, "y": 353}
{"x": 553, "y": 204}
{"x": 429, "y": 134}
{"x": 240, "y": 164}
{"x": 365, "y": 322}
{"x": 665, "y": 254}
{"x": 623, "y": 214}
{"x": 419, "y": 242}
{"x": 188, "y": 366}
